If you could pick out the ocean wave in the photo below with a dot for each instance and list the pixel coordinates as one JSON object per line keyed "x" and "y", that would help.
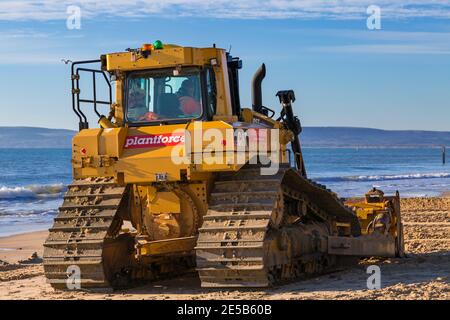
{"x": 362, "y": 178}
{"x": 5, "y": 213}
{"x": 32, "y": 191}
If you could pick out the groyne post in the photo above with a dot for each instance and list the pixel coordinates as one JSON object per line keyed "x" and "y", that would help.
{"x": 443, "y": 154}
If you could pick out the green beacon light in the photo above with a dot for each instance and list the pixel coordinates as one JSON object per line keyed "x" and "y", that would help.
{"x": 157, "y": 45}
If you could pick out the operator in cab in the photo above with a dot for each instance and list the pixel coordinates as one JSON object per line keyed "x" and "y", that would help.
{"x": 137, "y": 108}
{"x": 188, "y": 104}
{"x": 136, "y": 101}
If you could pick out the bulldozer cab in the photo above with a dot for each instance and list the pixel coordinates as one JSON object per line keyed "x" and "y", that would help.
{"x": 161, "y": 84}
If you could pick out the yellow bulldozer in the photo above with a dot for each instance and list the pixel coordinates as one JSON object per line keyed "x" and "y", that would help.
{"x": 179, "y": 177}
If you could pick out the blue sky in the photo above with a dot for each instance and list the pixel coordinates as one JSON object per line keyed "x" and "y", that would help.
{"x": 343, "y": 73}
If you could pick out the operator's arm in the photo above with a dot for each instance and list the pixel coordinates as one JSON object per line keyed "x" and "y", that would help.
{"x": 190, "y": 106}
{"x": 149, "y": 116}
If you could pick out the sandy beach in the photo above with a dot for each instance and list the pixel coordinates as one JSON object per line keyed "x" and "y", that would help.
{"x": 424, "y": 274}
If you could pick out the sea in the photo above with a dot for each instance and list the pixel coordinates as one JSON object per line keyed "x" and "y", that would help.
{"x": 33, "y": 181}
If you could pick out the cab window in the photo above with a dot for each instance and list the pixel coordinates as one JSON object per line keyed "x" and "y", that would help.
{"x": 211, "y": 91}
{"x": 156, "y": 97}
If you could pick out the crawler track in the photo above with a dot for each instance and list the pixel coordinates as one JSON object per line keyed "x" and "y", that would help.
{"x": 261, "y": 230}
{"x": 85, "y": 234}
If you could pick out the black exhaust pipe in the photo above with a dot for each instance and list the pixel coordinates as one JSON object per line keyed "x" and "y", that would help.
{"x": 256, "y": 88}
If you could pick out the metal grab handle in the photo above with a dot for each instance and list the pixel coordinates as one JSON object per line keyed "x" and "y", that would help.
{"x": 76, "y": 100}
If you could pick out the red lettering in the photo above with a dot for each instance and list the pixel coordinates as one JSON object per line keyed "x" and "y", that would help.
{"x": 152, "y": 141}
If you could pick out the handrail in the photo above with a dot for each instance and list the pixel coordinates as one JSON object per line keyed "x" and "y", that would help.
{"x": 76, "y": 100}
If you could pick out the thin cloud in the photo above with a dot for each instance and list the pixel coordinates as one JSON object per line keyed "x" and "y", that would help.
{"x": 381, "y": 42}
{"x": 22, "y": 34}
{"x": 45, "y": 10}
{"x": 46, "y": 49}
{"x": 382, "y": 49}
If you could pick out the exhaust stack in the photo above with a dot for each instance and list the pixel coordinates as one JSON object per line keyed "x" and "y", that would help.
{"x": 256, "y": 88}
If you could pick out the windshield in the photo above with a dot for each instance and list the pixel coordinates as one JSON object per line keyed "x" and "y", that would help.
{"x": 155, "y": 97}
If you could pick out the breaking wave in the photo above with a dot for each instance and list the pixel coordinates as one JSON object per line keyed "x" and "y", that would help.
{"x": 32, "y": 191}
{"x": 388, "y": 177}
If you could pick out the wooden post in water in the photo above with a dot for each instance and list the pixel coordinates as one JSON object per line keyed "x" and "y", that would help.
{"x": 443, "y": 154}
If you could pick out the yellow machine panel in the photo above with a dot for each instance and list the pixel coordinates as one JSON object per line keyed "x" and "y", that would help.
{"x": 111, "y": 141}
{"x": 170, "y": 56}
{"x": 165, "y": 202}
